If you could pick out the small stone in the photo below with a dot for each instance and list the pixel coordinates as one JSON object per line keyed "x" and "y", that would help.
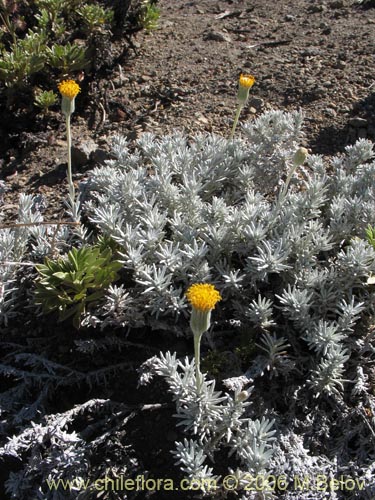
{"x": 217, "y": 36}
{"x": 99, "y": 156}
{"x": 202, "y": 119}
{"x": 117, "y": 83}
{"x": 316, "y": 8}
{"x": 330, "y": 112}
{"x": 358, "y": 122}
{"x": 252, "y": 110}
{"x": 79, "y": 158}
{"x": 352, "y": 135}
{"x": 340, "y": 64}
{"x": 256, "y": 102}
{"x": 319, "y": 92}
{"x": 254, "y": 20}
{"x": 81, "y": 152}
{"x": 311, "y": 51}
{"x": 337, "y": 4}
{"x": 165, "y": 24}
{"x": 290, "y": 18}
{"x": 119, "y": 115}
{"x": 362, "y": 133}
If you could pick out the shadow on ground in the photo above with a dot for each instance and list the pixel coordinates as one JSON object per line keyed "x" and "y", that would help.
{"x": 360, "y": 125}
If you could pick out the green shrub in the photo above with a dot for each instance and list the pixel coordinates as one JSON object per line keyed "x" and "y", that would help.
{"x": 149, "y": 16}
{"x": 26, "y": 57}
{"x": 67, "y": 58}
{"x": 45, "y": 100}
{"x": 42, "y": 39}
{"x": 69, "y": 285}
{"x": 95, "y": 17}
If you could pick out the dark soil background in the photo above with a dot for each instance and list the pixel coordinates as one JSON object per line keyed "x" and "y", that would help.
{"x": 315, "y": 55}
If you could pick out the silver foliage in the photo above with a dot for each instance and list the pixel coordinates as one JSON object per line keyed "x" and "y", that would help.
{"x": 292, "y": 270}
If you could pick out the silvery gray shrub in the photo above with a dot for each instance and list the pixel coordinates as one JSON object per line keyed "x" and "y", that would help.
{"x": 292, "y": 271}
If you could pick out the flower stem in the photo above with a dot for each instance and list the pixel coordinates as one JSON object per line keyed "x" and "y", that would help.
{"x": 284, "y": 189}
{"x": 197, "y": 356}
{"x": 288, "y": 179}
{"x": 236, "y": 118}
{"x": 69, "y": 143}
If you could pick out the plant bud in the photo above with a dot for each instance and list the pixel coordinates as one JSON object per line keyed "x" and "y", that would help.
{"x": 242, "y": 396}
{"x": 300, "y": 156}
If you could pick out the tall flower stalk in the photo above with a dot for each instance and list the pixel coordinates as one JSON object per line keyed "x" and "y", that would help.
{"x": 203, "y": 299}
{"x": 299, "y": 159}
{"x": 69, "y": 90}
{"x": 244, "y": 85}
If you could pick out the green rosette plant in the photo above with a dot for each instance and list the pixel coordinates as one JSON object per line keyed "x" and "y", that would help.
{"x": 69, "y": 285}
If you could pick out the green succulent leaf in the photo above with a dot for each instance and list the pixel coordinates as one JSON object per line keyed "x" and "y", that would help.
{"x": 69, "y": 284}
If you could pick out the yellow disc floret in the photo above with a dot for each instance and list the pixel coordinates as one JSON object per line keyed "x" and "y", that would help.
{"x": 203, "y": 296}
{"x": 69, "y": 89}
{"x": 247, "y": 81}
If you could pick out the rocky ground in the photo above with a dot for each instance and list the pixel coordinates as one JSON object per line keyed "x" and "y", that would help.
{"x": 315, "y": 55}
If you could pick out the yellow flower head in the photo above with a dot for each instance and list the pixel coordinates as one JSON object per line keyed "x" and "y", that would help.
{"x": 203, "y": 296}
{"x": 247, "y": 81}
{"x": 69, "y": 89}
